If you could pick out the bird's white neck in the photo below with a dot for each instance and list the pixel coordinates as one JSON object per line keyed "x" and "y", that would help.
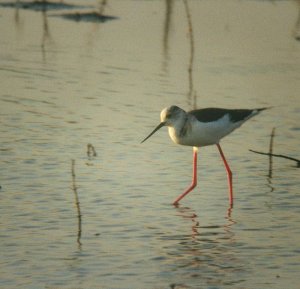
{"x": 178, "y": 129}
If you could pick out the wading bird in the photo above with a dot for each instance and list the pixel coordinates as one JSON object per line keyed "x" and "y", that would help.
{"x": 203, "y": 127}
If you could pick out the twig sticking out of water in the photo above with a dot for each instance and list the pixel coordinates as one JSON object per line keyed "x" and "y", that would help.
{"x": 167, "y": 24}
{"x": 270, "y": 154}
{"x": 191, "y": 93}
{"x": 297, "y": 27}
{"x": 74, "y": 188}
{"x": 102, "y": 5}
{"x": 279, "y": 156}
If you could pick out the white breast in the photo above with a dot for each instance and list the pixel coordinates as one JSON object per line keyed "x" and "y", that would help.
{"x": 203, "y": 133}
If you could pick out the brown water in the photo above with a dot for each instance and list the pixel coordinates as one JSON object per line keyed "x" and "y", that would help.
{"x": 66, "y": 84}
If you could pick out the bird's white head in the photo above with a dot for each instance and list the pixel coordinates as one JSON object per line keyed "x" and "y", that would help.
{"x": 172, "y": 114}
{"x": 169, "y": 116}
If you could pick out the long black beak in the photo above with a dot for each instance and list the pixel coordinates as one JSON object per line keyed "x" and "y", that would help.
{"x": 155, "y": 130}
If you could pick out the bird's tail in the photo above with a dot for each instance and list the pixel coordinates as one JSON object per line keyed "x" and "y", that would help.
{"x": 258, "y": 110}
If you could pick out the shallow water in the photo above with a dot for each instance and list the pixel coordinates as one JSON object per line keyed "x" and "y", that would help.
{"x": 65, "y": 85}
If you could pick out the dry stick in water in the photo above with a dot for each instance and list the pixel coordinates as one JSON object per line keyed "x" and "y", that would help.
{"x": 192, "y": 92}
{"x": 102, "y": 5}
{"x": 74, "y": 187}
{"x": 270, "y": 154}
{"x": 279, "y": 156}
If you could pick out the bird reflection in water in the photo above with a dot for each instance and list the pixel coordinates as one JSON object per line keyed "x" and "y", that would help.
{"x": 206, "y": 255}
{"x": 189, "y": 214}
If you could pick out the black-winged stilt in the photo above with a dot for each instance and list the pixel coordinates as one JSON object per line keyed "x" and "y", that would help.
{"x": 203, "y": 127}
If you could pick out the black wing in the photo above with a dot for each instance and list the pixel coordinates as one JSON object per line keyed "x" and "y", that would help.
{"x": 213, "y": 114}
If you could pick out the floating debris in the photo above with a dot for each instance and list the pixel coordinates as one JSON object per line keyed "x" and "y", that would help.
{"x": 41, "y": 5}
{"x": 92, "y": 16}
{"x": 91, "y": 152}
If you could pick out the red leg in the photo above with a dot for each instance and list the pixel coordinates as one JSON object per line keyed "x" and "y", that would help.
{"x": 194, "y": 180}
{"x": 229, "y": 175}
